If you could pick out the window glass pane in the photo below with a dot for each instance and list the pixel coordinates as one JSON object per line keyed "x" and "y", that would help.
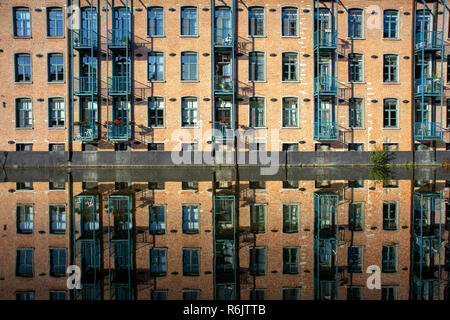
{"x": 289, "y": 22}
{"x": 55, "y": 22}
{"x": 355, "y": 17}
{"x": 155, "y": 21}
{"x": 188, "y": 21}
{"x": 256, "y": 21}
{"x": 390, "y": 24}
{"x": 156, "y": 66}
{"x": 257, "y": 112}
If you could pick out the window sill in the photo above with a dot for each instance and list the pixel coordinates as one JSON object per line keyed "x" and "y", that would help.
{"x": 257, "y": 81}
{"x": 296, "y": 128}
{"x": 391, "y": 128}
{"x": 151, "y": 127}
{"x": 393, "y": 39}
{"x": 292, "y": 37}
{"x": 21, "y": 37}
{"x": 156, "y": 81}
{"x": 356, "y": 128}
{"x": 392, "y": 83}
{"x": 263, "y": 36}
{"x": 156, "y": 36}
{"x": 57, "y": 37}
{"x": 354, "y": 38}
{"x": 189, "y": 81}
{"x": 23, "y": 82}
{"x": 190, "y": 127}
{"x": 290, "y": 81}
{"x": 57, "y": 128}
{"x": 18, "y": 128}
{"x": 56, "y": 82}
{"x": 357, "y": 82}
{"x": 189, "y": 36}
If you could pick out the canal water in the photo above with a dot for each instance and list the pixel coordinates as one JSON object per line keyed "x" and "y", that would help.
{"x": 225, "y": 233}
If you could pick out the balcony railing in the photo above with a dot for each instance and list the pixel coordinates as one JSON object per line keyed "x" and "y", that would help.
{"x": 85, "y": 85}
{"x": 428, "y": 40}
{"x": 85, "y": 131}
{"x": 84, "y": 39}
{"x": 223, "y": 84}
{"x": 427, "y": 131}
{"x": 119, "y": 85}
{"x": 429, "y": 86}
{"x": 120, "y": 132}
{"x": 325, "y": 131}
{"x": 325, "y": 84}
{"x": 223, "y": 130}
{"x": 119, "y": 38}
{"x": 325, "y": 38}
{"x": 223, "y": 37}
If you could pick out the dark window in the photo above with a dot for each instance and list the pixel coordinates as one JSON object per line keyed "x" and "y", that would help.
{"x": 389, "y": 255}
{"x": 189, "y": 112}
{"x": 290, "y": 146}
{"x": 23, "y": 67}
{"x": 188, "y": 21}
{"x": 355, "y": 147}
{"x": 258, "y": 218}
{"x": 55, "y": 67}
{"x": 291, "y": 293}
{"x": 356, "y": 216}
{"x": 191, "y": 219}
{"x": 24, "y": 186}
{"x": 191, "y": 262}
{"x": 57, "y": 219}
{"x": 257, "y": 294}
{"x": 156, "y": 147}
{"x": 291, "y": 260}
{"x": 257, "y": 184}
{"x": 355, "y": 68}
{"x": 256, "y": 21}
{"x": 57, "y": 295}
{"x": 156, "y": 185}
{"x": 257, "y": 112}
{"x": 189, "y": 185}
{"x": 191, "y": 294}
{"x": 390, "y": 68}
{"x": 58, "y": 262}
{"x": 24, "y": 113}
{"x": 25, "y": 218}
{"x": 24, "y": 262}
{"x": 355, "y": 20}
{"x": 390, "y": 24}
{"x": 56, "y": 147}
{"x": 155, "y": 20}
{"x": 55, "y": 22}
{"x": 22, "y": 22}
{"x": 355, "y": 259}
{"x": 158, "y": 262}
{"x": 390, "y": 113}
{"x": 156, "y": 112}
{"x": 28, "y": 295}
{"x": 390, "y": 210}
{"x": 256, "y": 66}
{"x": 289, "y": 22}
{"x": 56, "y": 113}
{"x": 24, "y": 146}
{"x": 157, "y": 224}
{"x": 354, "y": 293}
{"x": 155, "y": 66}
{"x": 257, "y": 261}
{"x": 290, "y": 66}
{"x": 291, "y": 218}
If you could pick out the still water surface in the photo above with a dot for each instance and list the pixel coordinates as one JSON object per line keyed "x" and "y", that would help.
{"x": 224, "y": 234}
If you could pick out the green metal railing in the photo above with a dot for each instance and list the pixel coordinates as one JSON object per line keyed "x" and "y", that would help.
{"x": 84, "y": 39}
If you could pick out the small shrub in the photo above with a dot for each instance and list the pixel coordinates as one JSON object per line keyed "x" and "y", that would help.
{"x": 379, "y": 158}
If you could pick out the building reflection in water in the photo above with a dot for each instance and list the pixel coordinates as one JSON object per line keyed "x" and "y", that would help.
{"x": 224, "y": 239}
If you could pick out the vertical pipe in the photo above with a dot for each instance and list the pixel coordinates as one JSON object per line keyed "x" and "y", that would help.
{"x": 69, "y": 83}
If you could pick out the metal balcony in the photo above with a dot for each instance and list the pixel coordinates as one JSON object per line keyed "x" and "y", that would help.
{"x": 223, "y": 37}
{"x": 326, "y": 85}
{"x": 119, "y": 38}
{"x": 85, "y": 85}
{"x": 428, "y": 40}
{"x": 84, "y": 39}
{"x": 119, "y": 85}
{"x": 85, "y": 131}
{"x": 325, "y": 39}
{"x": 223, "y": 84}
{"x": 429, "y": 86}
{"x": 119, "y": 132}
{"x": 326, "y": 131}
{"x": 223, "y": 131}
{"x": 427, "y": 131}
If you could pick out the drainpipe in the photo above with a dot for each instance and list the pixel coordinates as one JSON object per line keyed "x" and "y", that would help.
{"x": 69, "y": 85}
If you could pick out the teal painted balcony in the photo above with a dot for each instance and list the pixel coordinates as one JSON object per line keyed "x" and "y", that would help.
{"x": 119, "y": 85}
{"x": 428, "y": 40}
{"x": 326, "y": 131}
{"x": 119, "y": 38}
{"x": 223, "y": 130}
{"x": 119, "y": 132}
{"x": 223, "y": 37}
{"x": 429, "y": 86}
{"x": 223, "y": 84}
{"x": 84, "y": 39}
{"x": 326, "y": 85}
{"x": 427, "y": 131}
{"x": 325, "y": 39}
{"x": 83, "y": 86}
{"x": 85, "y": 131}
